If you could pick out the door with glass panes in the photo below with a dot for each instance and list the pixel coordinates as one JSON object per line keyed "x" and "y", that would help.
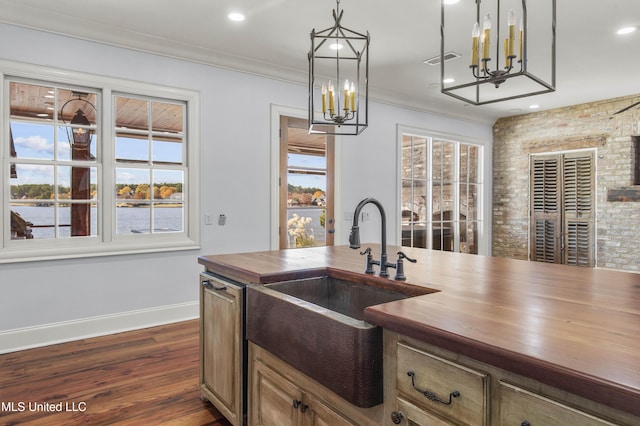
{"x": 306, "y": 185}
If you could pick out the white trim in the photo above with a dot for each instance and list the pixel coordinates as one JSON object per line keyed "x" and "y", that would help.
{"x": 66, "y": 331}
{"x": 276, "y": 112}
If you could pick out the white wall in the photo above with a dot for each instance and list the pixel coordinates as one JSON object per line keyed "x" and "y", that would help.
{"x": 235, "y": 156}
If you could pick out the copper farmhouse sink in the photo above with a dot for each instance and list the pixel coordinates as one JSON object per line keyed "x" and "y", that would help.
{"x": 316, "y": 325}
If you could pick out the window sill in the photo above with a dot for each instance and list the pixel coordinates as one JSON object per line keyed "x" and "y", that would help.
{"x": 21, "y": 255}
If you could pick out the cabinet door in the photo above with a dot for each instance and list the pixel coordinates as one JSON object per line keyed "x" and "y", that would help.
{"x": 221, "y": 346}
{"x": 318, "y": 413}
{"x": 274, "y": 400}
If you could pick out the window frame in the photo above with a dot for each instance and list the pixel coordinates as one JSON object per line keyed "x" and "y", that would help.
{"x": 483, "y": 182}
{"x": 106, "y": 242}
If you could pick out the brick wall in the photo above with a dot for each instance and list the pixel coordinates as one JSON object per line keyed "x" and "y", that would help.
{"x": 576, "y": 127}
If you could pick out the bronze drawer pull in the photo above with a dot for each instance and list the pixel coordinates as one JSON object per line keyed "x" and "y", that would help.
{"x": 430, "y": 395}
{"x": 207, "y": 284}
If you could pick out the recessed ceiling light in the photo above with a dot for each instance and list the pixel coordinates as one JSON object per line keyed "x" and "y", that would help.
{"x": 626, "y": 30}
{"x": 336, "y": 46}
{"x": 448, "y": 80}
{"x": 236, "y": 17}
{"x": 451, "y": 1}
{"x": 534, "y": 106}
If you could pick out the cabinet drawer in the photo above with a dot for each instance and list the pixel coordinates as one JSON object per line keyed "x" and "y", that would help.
{"x": 422, "y": 377}
{"x": 519, "y": 406}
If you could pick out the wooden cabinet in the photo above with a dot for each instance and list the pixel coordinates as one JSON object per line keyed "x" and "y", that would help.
{"x": 222, "y": 346}
{"x": 282, "y": 396}
{"x": 486, "y": 395}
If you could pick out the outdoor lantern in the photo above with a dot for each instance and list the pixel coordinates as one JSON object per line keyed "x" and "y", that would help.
{"x": 338, "y": 79}
{"x": 512, "y": 50}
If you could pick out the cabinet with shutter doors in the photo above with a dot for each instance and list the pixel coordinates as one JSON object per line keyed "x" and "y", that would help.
{"x": 222, "y": 346}
{"x": 281, "y": 395}
{"x": 451, "y": 389}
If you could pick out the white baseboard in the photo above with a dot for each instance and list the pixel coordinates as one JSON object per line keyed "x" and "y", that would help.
{"x": 51, "y": 334}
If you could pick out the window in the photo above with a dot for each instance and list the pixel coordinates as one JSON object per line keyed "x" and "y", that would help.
{"x": 441, "y": 193}
{"x": 96, "y": 166}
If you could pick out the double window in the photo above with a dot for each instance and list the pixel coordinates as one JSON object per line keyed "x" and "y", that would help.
{"x": 96, "y": 166}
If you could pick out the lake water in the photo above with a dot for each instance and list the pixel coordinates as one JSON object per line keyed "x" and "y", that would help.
{"x": 129, "y": 220}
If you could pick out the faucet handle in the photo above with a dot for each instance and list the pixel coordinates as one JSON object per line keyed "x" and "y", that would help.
{"x": 400, "y": 266}
{"x": 401, "y": 256}
{"x": 370, "y": 261}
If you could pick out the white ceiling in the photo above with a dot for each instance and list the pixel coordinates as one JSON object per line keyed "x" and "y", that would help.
{"x": 593, "y": 63}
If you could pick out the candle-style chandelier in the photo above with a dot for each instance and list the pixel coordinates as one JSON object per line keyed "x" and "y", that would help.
{"x": 338, "y": 79}
{"x": 489, "y": 70}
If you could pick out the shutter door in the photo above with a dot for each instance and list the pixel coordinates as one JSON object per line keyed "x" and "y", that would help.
{"x": 545, "y": 209}
{"x": 578, "y": 209}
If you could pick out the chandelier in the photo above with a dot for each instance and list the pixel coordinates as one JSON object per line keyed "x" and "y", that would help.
{"x": 502, "y": 34}
{"x": 338, "y": 79}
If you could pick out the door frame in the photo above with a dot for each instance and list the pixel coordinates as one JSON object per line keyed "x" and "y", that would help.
{"x": 276, "y": 112}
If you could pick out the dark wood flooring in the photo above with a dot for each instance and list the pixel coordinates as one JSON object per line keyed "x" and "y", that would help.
{"x": 142, "y": 377}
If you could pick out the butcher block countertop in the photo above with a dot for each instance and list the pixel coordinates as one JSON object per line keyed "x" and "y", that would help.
{"x": 577, "y": 329}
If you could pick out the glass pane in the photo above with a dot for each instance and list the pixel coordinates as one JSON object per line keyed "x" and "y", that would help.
{"x": 33, "y": 182}
{"x": 133, "y": 219}
{"x": 68, "y": 149}
{"x": 32, "y": 220}
{"x": 78, "y": 220}
{"x": 132, "y": 148}
{"x": 77, "y": 183}
{"x": 307, "y": 161}
{"x": 167, "y": 150}
{"x": 305, "y": 227}
{"x": 167, "y": 185}
{"x": 32, "y": 101}
{"x": 419, "y": 158}
{"x": 32, "y": 140}
{"x": 473, "y": 163}
{"x": 472, "y": 203}
{"x": 437, "y": 158}
{"x": 406, "y": 157}
{"x": 167, "y": 117}
{"x": 448, "y": 161}
{"x": 468, "y": 236}
{"x": 437, "y": 202}
{"x": 464, "y": 162}
{"x": 168, "y": 217}
{"x": 136, "y": 180}
{"x": 131, "y": 113}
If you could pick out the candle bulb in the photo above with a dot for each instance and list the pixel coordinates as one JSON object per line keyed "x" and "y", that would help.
{"x": 346, "y": 96}
{"x": 511, "y": 21}
{"x": 331, "y": 98}
{"x": 521, "y": 37}
{"x": 486, "y": 36}
{"x": 324, "y": 99}
{"x": 506, "y": 53}
{"x": 475, "y": 45}
{"x": 353, "y": 97}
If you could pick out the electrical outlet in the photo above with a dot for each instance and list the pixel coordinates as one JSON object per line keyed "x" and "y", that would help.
{"x": 348, "y": 216}
{"x": 207, "y": 219}
{"x": 365, "y": 216}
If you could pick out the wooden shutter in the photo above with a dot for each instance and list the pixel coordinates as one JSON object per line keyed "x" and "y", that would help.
{"x": 562, "y": 208}
{"x": 578, "y": 209}
{"x": 545, "y": 209}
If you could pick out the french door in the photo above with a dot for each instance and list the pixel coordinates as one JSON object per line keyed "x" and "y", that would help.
{"x": 563, "y": 208}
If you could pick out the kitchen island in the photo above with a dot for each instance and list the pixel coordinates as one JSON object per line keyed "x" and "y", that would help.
{"x": 575, "y": 330}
